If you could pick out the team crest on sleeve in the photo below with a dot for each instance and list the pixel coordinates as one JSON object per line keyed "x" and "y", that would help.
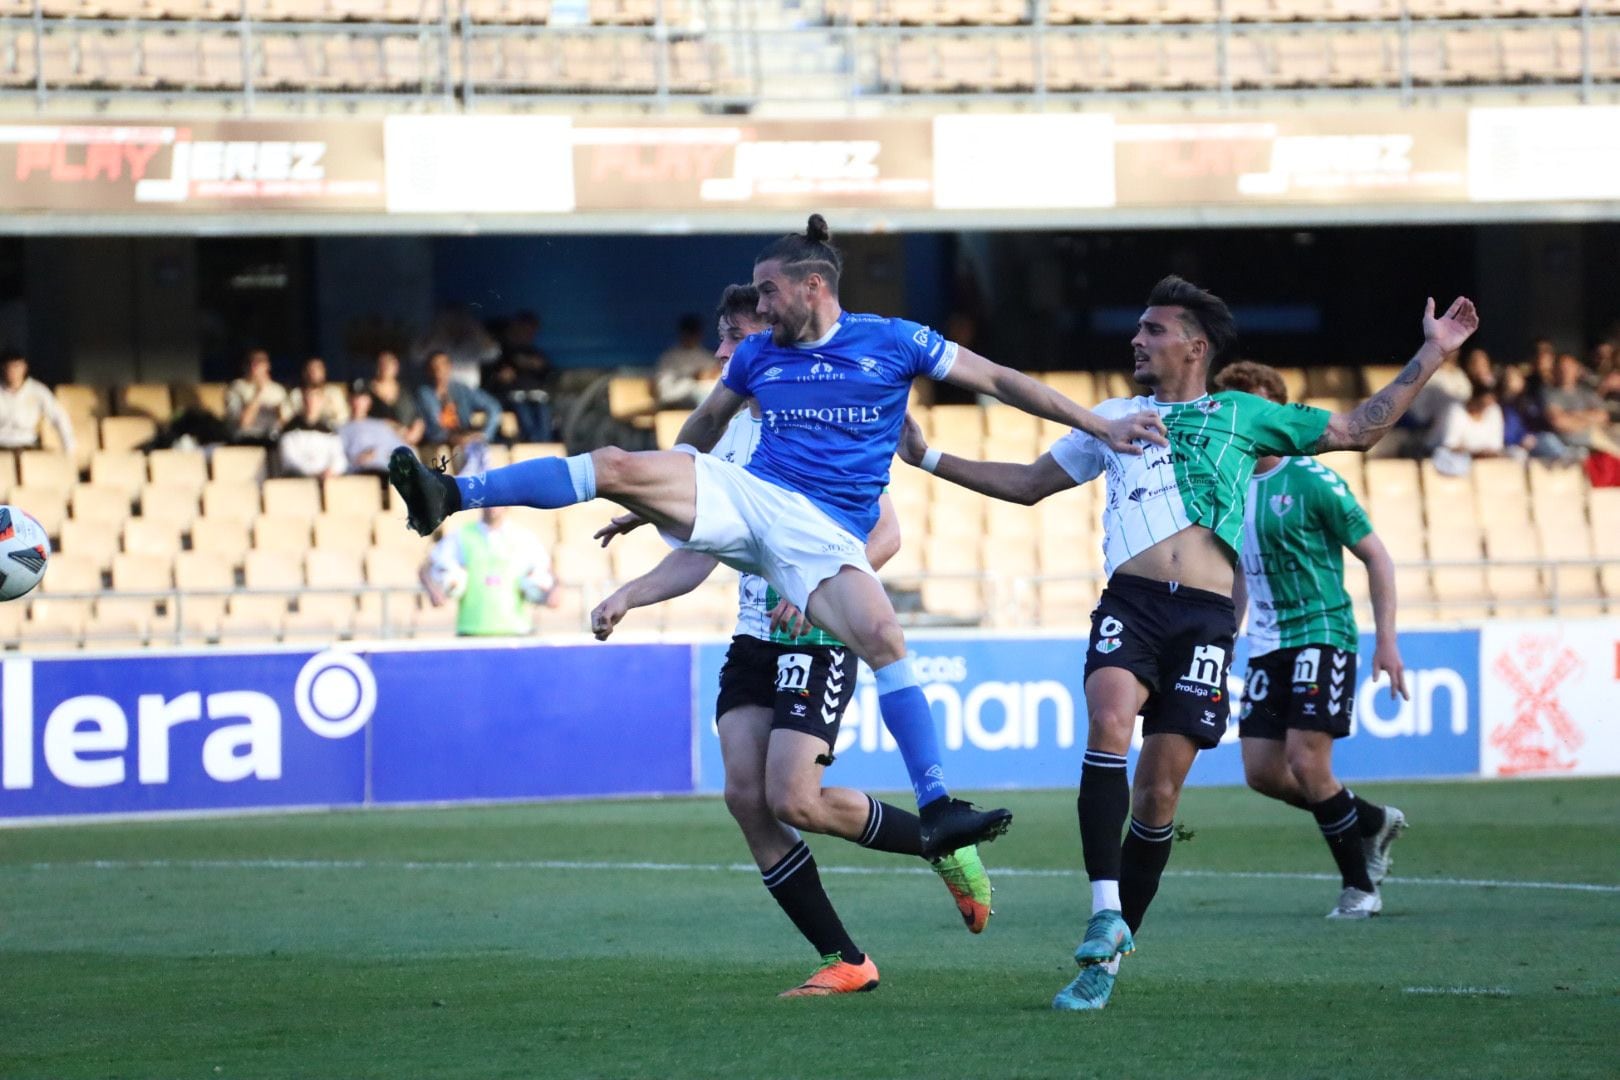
{"x": 1281, "y": 504}
{"x": 921, "y": 336}
{"x": 1108, "y": 634}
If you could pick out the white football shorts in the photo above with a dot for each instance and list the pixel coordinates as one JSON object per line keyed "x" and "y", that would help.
{"x": 758, "y": 527}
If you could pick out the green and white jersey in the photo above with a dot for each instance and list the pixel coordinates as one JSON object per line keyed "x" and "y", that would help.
{"x": 1201, "y": 478}
{"x": 756, "y": 599}
{"x": 1299, "y": 520}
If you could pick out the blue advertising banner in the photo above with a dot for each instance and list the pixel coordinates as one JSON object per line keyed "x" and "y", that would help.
{"x": 165, "y": 732}
{"x": 532, "y": 721}
{"x": 1012, "y": 714}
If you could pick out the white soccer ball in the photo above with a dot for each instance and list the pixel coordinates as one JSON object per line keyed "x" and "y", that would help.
{"x": 24, "y": 551}
{"x": 452, "y": 581}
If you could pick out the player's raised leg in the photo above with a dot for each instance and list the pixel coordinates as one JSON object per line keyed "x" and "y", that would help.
{"x": 658, "y": 485}
{"x": 852, "y": 606}
{"x": 787, "y": 867}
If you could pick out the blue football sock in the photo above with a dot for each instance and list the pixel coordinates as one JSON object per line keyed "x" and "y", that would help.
{"x": 546, "y": 483}
{"x": 908, "y": 718}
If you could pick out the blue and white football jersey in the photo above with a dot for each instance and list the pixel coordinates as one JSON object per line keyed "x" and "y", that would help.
{"x": 833, "y": 408}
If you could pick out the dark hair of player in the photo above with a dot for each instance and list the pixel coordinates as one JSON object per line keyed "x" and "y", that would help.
{"x": 809, "y": 252}
{"x": 738, "y": 301}
{"x": 1252, "y": 378}
{"x": 1206, "y": 313}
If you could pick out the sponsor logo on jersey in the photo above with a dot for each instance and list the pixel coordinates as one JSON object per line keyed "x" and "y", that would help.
{"x": 1208, "y": 665}
{"x": 868, "y": 365}
{"x": 1306, "y": 662}
{"x": 921, "y": 336}
{"x": 1281, "y": 504}
{"x": 1110, "y": 627}
{"x": 845, "y": 415}
{"x": 1209, "y": 406}
{"x": 773, "y": 373}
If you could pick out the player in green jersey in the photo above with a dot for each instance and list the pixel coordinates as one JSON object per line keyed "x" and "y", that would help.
{"x": 1162, "y": 632}
{"x": 783, "y": 691}
{"x": 1300, "y": 692}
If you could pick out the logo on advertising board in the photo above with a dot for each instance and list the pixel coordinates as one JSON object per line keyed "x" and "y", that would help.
{"x": 1548, "y": 698}
{"x": 207, "y": 165}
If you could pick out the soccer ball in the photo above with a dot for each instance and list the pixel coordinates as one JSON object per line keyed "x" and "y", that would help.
{"x": 24, "y": 549}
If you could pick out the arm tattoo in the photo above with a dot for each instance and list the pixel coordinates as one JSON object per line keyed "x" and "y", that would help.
{"x": 1409, "y": 374}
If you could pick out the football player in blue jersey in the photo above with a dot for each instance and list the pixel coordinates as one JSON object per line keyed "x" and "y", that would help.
{"x": 832, "y": 387}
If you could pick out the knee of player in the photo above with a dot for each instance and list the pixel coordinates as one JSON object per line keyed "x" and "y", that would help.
{"x": 612, "y": 465}
{"x": 746, "y": 800}
{"x": 1154, "y": 802}
{"x": 797, "y": 807}
{"x": 881, "y": 641}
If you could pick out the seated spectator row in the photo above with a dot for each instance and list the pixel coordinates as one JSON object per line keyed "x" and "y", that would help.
{"x": 555, "y": 12}
{"x": 1253, "y": 59}
{"x": 92, "y": 57}
{"x": 1061, "y": 12}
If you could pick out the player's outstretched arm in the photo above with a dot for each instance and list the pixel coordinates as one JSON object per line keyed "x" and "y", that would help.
{"x": 677, "y": 575}
{"x": 1381, "y": 586}
{"x": 708, "y": 421}
{"x": 1005, "y": 480}
{"x": 1125, "y": 434}
{"x": 1363, "y": 426}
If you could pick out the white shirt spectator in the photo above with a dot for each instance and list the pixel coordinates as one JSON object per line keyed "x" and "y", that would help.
{"x": 23, "y": 410}
{"x": 273, "y": 407}
{"x": 1469, "y": 434}
{"x": 311, "y": 453}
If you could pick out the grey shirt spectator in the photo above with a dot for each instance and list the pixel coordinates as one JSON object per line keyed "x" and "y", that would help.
{"x": 1572, "y": 408}
{"x": 256, "y": 405}
{"x": 25, "y": 403}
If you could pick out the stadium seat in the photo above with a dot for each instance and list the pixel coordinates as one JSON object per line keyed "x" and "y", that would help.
{"x": 99, "y": 502}
{"x": 127, "y": 432}
{"x": 46, "y": 469}
{"x": 8, "y": 472}
{"x": 79, "y": 400}
{"x": 125, "y": 470}
{"x": 1335, "y": 382}
{"x": 47, "y": 505}
{"x": 148, "y": 536}
{"x": 583, "y": 563}
{"x": 1394, "y": 479}
{"x": 89, "y": 539}
{"x": 139, "y": 572}
{"x": 1067, "y": 603}
{"x": 238, "y": 465}
{"x": 70, "y": 573}
{"x": 297, "y": 497}
{"x": 151, "y": 400}
{"x": 178, "y": 468}
{"x": 230, "y": 499}
{"x": 282, "y": 532}
{"x": 223, "y": 537}
{"x": 197, "y": 572}
{"x": 1517, "y": 590}
{"x": 86, "y": 436}
{"x": 208, "y": 397}
{"x": 388, "y": 530}
{"x": 54, "y": 625}
{"x": 352, "y": 494}
{"x": 343, "y": 532}
{"x": 118, "y": 622}
{"x": 172, "y": 504}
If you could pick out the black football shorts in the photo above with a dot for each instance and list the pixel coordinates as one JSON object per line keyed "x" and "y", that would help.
{"x": 1308, "y": 688}
{"x": 806, "y": 687}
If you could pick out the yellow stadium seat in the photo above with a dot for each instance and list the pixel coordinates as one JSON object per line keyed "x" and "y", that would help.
{"x": 226, "y": 538}
{"x": 298, "y": 497}
{"x": 178, "y": 468}
{"x": 238, "y": 464}
{"x": 148, "y": 536}
{"x": 343, "y": 532}
{"x": 99, "y": 502}
{"x": 54, "y": 625}
{"x": 202, "y": 571}
{"x": 8, "y": 472}
{"x": 127, "y": 432}
{"x": 121, "y": 469}
{"x": 362, "y": 495}
{"x": 47, "y": 505}
{"x": 45, "y": 468}
{"x": 278, "y": 532}
{"x": 229, "y": 499}
{"x": 151, "y": 400}
{"x": 174, "y": 505}
{"x": 88, "y": 539}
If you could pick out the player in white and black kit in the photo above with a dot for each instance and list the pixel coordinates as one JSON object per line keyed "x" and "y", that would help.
{"x": 783, "y": 692}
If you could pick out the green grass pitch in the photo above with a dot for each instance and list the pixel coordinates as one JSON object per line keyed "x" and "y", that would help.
{"x": 524, "y": 941}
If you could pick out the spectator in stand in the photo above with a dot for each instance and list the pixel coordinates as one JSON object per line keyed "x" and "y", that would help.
{"x": 309, "y": 444}
{"x": 494, "y": 569}
{"x": 25, "y": 403}
{"x": 447, "y": 407}
{"x": 1519, "y": 418}
{"x": 367, "y": 440}
{"x": 256, "y": 405}
{"x": 519, "y": 382}
{"x": 331, "y": 406}
{"x": 1574, "y": 411}
{"x": 1606, "y": 371}
{"x": 686, "y": 370}
{"x": 457, "y": 333}
{"x": 1471, "y": 430}
{"x": 1479, "y": 369}
{"x": 392, "y": 402}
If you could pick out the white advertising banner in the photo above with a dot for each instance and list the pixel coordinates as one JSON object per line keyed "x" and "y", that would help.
{"x": 479, "y": 164}
{"x": 990, "y": 162}
{"x": 1550, "y": 698}
{"x": 1519, "y": 154}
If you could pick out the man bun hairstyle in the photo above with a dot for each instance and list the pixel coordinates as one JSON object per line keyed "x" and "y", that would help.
{"x": 1204, "y": 313}
{"x": 1253, "y": 378}
{"x": 738, "y": 301}
{"x": 809, "y": 252}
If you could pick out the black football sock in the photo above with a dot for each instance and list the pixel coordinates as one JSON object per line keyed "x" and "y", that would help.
{"x": 1103, "y": 805}
{"x": 1370, "y": 815}
{"x": 795, "y": 884}
{"x": 889, "y": 828}
{"x": 1142, "y": 861}
{"x": 1336, "y": 817}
